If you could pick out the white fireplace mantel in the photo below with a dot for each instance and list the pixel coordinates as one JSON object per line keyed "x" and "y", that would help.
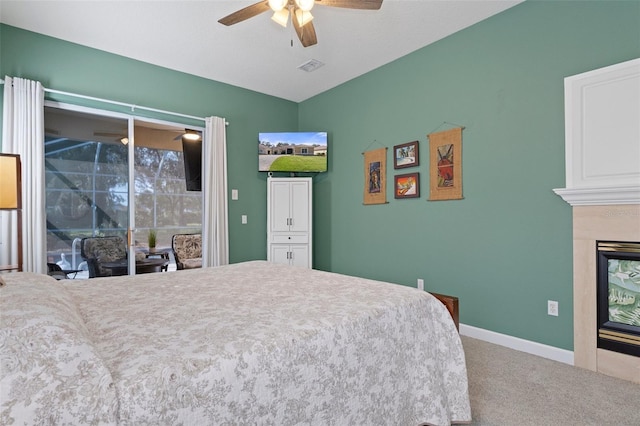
{"x": 600, "y": 196}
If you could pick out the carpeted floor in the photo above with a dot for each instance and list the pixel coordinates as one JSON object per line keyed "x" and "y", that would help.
{"x": 509, "y": 387}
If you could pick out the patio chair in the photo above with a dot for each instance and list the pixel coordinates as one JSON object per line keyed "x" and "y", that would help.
{"x": 187, "y": 250}
{"x": 99, "y": 250}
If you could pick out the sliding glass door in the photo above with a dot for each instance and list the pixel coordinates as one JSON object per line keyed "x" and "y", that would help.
{"x": 163, "y": 205}
{"x": 87, "y": 181}
{"x": 108, "y": 175}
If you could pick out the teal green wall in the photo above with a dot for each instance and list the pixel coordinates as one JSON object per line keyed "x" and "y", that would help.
{"x": 73, "y": 68}
{"x": 506, "y": 248}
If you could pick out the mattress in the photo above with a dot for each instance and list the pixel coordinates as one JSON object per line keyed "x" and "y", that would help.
{"x": 247, "y": 343}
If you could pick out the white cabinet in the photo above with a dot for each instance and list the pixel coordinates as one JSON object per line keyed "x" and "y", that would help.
{"x": 289, "y": 207}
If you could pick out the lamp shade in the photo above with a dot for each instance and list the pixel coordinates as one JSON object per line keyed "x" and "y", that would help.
{"x": 11, "y": 188}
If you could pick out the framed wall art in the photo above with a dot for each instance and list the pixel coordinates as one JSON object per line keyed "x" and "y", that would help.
{"x": 407, "y": 185}
{"x": 374, "y": 176}
{"x": 445, "y": 165}
{"x": 406, "y": 155}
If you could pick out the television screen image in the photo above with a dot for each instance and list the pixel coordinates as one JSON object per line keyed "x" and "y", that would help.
{"x": 192, "y": 156}
{"x": 294, "y": 152}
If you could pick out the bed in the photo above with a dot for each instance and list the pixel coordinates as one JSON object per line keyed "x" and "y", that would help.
{"x": 249, "y": 343}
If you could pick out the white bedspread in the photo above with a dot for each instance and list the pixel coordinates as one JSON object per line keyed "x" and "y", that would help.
{"x": 252, "y": 343}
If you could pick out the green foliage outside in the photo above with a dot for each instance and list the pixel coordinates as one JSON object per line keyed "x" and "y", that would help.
{"x": 87, "y": 193}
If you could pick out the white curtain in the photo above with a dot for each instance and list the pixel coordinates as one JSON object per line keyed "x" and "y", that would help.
{"x": 23, "y": 134}
{"x": 215, "y": 232}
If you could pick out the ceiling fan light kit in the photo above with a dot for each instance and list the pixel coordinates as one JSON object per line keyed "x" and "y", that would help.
{"x": 305, "y": 5}
{"x": 281, "y": 17}
{"x": 277, "y": 5}
{"x": 303, "y": 17}
{"x": 298, "y": 9}
{"x": 191, "y": 135}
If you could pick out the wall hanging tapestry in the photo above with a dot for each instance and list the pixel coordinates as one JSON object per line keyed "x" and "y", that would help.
{"x": 445, "y": 168}
{"x": 375, "y": 169}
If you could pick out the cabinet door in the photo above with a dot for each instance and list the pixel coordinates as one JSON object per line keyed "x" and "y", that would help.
{"x": 299, "y": 207}
{"x": 280, "y": 254}
{"x": 289, "y": 206}
{"x": 295, "y": 255}
{"x": 280, "y": 206}
{"x": 299, "y": 255}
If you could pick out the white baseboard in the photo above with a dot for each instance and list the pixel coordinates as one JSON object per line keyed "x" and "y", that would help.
{"x": 534, "y": 348}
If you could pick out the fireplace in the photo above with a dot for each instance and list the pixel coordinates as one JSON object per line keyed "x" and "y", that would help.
{"x": 602, "y": 172}
{"x": 618, "y": 296}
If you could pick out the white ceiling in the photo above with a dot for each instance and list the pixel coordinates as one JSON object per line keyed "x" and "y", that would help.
{"x": 255, "y": 54}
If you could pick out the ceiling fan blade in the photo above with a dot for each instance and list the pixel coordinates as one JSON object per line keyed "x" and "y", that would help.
{"x": 246, "y": 13}
{"x": 352, "y": 4}
{"x": 306, "y": 33}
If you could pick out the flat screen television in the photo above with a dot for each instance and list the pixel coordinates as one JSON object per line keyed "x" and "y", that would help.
{"x": 292, "y": 152}
{"x": 192, "y": 157}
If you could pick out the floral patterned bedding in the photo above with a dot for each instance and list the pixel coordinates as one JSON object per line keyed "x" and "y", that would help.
{"x": 248, "y": 343}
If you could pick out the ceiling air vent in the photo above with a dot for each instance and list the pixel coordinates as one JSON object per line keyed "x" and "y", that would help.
{"x": 311, "y": 65}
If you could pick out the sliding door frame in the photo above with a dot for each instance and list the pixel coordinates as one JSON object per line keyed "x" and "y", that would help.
{"x": 131, "y": 120}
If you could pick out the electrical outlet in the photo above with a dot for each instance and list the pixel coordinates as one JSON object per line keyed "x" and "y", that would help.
{"x": 244, "y": 219}
{"x": 552, "y": 308}
{"x": 420, "y": 284}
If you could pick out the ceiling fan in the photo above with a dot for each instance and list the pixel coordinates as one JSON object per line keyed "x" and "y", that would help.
{"x": 300, "y": 12}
